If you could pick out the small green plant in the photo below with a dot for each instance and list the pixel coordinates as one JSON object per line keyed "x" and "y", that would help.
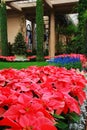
{"x": 19, "y": 46}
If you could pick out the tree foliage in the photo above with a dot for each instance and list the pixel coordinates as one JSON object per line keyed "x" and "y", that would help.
{"x": 82, "y": 31}
{"x": 39, "y": 30}
{"x": 69, "y": 31}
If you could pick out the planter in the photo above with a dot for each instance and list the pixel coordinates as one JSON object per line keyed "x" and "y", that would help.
{"x": 20, "y": 58}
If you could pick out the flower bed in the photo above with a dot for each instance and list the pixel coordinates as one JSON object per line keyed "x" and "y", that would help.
{"x": 67, "y": 62}
{"x": 82, "y": 57}
{"x": 40, "y": 98}
{"x": 7, "y": 58}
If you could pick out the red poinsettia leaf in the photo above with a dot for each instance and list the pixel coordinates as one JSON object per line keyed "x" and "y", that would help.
{"x": 13, "y": 112}
{"x": 24, "y": 121}
{"x": 41, "y": 122}
{"x": 48, "y": 127}
{"x": 8, "y": 122}
{"x": 57, "y": 105}
{"x": 72, "y": 104}
{"x": 2, "y": 110}
{"x": 80, "y": 94}
{"x": 24, "y": 99}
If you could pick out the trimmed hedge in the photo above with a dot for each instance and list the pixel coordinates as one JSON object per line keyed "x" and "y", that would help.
{"x": 39, "y": 30}
{"x": 3, "y": 30}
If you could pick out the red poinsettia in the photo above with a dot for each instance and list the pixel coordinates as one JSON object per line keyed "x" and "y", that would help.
{"x": 29, "y": 97}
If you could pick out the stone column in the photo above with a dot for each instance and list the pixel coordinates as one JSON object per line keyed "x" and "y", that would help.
{"x": 52, "y": 36}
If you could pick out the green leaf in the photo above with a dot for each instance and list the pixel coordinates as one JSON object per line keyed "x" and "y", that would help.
{"x": 61, "y": 125}
{"x": 74, "y": 117}
{"x": 58, "y": 116}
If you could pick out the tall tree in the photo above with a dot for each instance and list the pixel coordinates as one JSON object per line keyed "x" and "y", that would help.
{"x": 39, "y": 30}
{"x": 3, "y": 29}
{"x": 82, "y": 31}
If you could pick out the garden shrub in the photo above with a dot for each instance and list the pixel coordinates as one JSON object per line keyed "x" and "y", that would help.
{"x": 19, "y": 46}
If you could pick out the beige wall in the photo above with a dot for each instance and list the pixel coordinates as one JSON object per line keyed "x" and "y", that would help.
{"x": 15, "y": 23}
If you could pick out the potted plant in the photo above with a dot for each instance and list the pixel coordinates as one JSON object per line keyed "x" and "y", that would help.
{"x": 19, "y": 47}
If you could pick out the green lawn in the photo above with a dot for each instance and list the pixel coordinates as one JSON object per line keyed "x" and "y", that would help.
{"x": 20, "y": 65}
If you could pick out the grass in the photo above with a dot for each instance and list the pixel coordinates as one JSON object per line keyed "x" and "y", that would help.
{"x": 25, "y": 64}
{"x": 20, "y": 65}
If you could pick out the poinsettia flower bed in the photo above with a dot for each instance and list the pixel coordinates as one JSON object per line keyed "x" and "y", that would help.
{"x": 37, "y": 98}
{"x": 7, "y": 58}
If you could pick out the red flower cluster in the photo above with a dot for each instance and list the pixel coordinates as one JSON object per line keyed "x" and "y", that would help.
{"x": 7, "y": 58}
{"x": 29, "y": 97}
